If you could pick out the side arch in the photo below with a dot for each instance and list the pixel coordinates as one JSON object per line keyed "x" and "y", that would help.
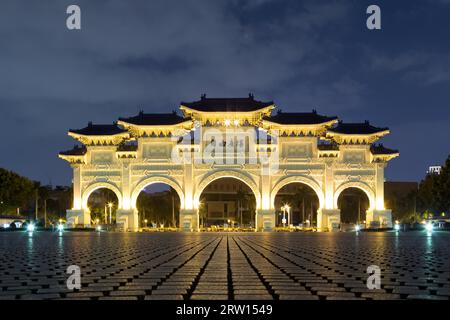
{"x": 227, "y": 174}
{"x": 359, "y": 185}
{"x": 297, "y": 179}
{"x": 156, "y": 179}
{"x": 100, "y": 185}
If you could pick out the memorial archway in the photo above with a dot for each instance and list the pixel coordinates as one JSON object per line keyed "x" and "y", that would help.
{"x": 322, "y": 152}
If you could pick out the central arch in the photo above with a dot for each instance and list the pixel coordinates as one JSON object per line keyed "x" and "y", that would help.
{"x": 227, "y": 174}
{"x": 359, "y": 185}
{"x": 156, "y": 179}
{"x": 297, "y": 179}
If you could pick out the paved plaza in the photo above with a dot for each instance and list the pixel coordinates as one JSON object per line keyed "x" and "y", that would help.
{"x": 224, "y": 266}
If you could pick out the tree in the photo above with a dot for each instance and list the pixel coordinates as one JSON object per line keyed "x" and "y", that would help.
{"x": 15, "y": 191}
{"x": 241, "y": 198}
{"x": 434, "y": 191}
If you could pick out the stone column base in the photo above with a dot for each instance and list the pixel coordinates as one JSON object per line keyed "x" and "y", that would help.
{"x": 328, "y": 220}
{"x": 265, "y": 220}
{"x": 379, "y": 219}
{"x": 78, "y": 218}
{"x": 189, "y": 220}
{"x": 127, "y": 220}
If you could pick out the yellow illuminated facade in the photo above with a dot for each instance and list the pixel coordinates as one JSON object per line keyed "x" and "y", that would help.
{"x": 264, "y": 149}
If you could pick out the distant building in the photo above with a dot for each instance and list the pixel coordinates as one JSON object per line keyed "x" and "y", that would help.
{"x": 434, "y": 170}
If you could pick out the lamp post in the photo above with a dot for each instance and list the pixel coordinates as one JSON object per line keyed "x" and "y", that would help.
{"x": 110, "y": 205}
{"x": 288, "y": 209}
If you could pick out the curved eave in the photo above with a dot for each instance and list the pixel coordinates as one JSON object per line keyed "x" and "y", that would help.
{"x": 385, "y": 157}
{"x": 314, "y": 125}
{"x": 125, "y": 124}
{"x": 112, "y": 138}
{"x": 73, "y": 158}
{"x": 87, "y": 136}
{"x": 380, "y": 133}
{"x": 187, "y": 111}
{"x": 370, "y": 137}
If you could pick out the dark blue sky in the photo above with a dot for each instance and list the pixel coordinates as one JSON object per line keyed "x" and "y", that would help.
{"x": 150, "y": 55}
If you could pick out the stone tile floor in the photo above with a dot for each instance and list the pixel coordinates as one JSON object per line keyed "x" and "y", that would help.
{"x": 220, "y": 266}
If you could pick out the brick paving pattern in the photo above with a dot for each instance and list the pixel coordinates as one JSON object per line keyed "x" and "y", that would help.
{"x": 220, "y": 266}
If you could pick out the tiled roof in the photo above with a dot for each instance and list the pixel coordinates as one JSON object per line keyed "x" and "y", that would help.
{"x": 99, "y": 130}
{"x": 76, "y": 151}
{"x": 356, "y": 128}
{"x": 380, "y": 149}
{"x": 151, "y": 119}
{"x": 299, "y": 118}
{"x": 248, "y": 104}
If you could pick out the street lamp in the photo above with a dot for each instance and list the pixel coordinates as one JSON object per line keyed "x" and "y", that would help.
{"x": 286, "y": 208}
{"x": 30, "y": 227}
{"x": 146, "y": 221}
{"x": 283, "y": 220}
{"x": 110, "y": 205}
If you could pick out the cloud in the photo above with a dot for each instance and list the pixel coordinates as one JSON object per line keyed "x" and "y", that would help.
{"x": 424, "y": 68}
{"x": 152, "y": 54}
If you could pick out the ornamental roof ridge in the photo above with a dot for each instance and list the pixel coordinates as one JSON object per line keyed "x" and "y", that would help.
{"x": 99, "y": 130}
{"x": 299, "y": 118}
{"x": 154, "y": 119}
{"x": 75, "y": 151}
{"x": 381, "y": 149}
{"x": 246, "y": 104}
{"x": 356, "y": 128}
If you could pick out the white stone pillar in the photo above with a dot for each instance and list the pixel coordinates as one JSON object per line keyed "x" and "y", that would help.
{"x": 76, "y": 181}
{"x": 328, "y": 186}
{"x": 265, "y": 220}
{"x": 127, "y": 220}
{"x": 378, "y": 215}
{"x": 126, "y": 185}
{"x": 78, "y": 216}
{"x": 189, "y": 220}
{"x": 188, "y": 168}
{"x": 379, "y": 186}
{"x": 328, "y": 219}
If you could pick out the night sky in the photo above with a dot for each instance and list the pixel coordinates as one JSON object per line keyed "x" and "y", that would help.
{"x": 150, "y": 55}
